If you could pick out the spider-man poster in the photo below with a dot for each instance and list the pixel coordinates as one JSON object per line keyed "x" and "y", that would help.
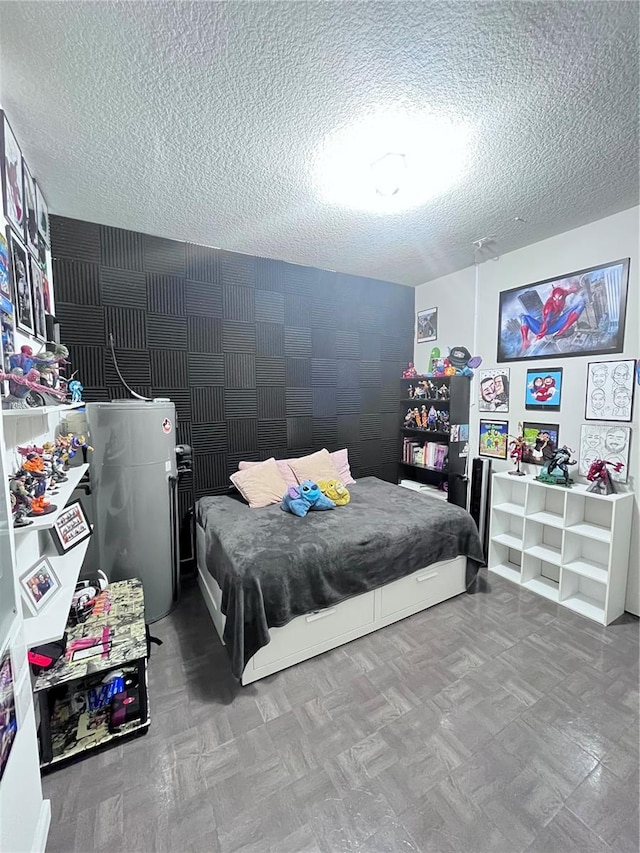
{"x": 581, "y": 313}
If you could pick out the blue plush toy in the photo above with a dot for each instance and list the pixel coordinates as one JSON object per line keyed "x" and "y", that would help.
{"x": 307, "y": 496}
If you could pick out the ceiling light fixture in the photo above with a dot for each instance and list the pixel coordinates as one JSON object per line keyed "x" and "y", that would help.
{"x": 389, "y": 173}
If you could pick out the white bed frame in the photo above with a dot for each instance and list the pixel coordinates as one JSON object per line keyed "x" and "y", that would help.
{"x": 317, "y": 632}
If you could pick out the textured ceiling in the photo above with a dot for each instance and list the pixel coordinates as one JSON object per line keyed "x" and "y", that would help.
{"x": 204, "y": 121}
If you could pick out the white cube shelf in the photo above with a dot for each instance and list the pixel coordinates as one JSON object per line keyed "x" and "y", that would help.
{"x": 568, "y": 545}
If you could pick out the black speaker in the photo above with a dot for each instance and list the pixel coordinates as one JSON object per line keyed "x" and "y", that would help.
{"x": 479, "y": 498}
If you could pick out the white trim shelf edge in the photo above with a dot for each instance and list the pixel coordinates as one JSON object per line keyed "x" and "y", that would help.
{"x": 36, "y": 411}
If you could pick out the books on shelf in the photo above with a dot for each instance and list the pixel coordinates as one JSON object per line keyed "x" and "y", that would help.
{"x": 431, "y": 454}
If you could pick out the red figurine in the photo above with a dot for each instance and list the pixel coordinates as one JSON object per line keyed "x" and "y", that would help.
{"x": 600, "y": 478}
{"x": 516, "y": 448}
{"x": 410, "y": 372}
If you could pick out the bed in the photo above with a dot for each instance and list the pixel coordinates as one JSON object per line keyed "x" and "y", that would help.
{"x": 282, "y": 589}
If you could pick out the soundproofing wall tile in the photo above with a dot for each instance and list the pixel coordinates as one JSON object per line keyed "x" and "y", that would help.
{"x": 395, "y": 349}
{"x": 119, "y": 392}
{"x": 240, "y": 403}
{"x": 324, "y": 371}
{"x": 297, "y": 311}
{"x": 352, "y": 288}
{"x": 323, "y": 343}
{"x": 370, "y": 400}
{"x": 272, "y": 433}
{"x": 270, "y": 339}
{"x": 370, "y": 426}
{"x": 298, "y": 372}
{"x": 168, "y": 368}
{"x": 389, "y": 423}
{"x": 96, "y": 395}
{"x": 387, "y": 471}
{"x": 271, "y": 402}
{"x": 270, "y": 371}
{"x": 121, "y": 249}
{"x": 326, "y": 286}
{"x": 274, "y": 450}
{"x": 325, "y": 433}
{"x": 238, "y": 270}
{"x": 186, "y": 499}
{"x": 207, "y": 404}
{"x": 239, "y": 370}
{"x": 238, "y": 337}
{"x": 210, "y": 472}
{"x": 203, "y": 298}
{"x": 205, "y": 369}
{"x": 369, "y": 346}
{"x": 324, "y": 402}
{"x": 238, "y": 303}
{"x": 128, "y": 327}
{"x": 390, "y": 448}
{"x": 88, "y": 362}
{"x": 123, "y": 288}
{"x": 370, "y": 373}
{"x": 165, "y": 294}
{"x": 243, "y": 436}
{"x": 371, "y": 318}
{"x": 184, "y": 434}
{"x": 204, "y": 334}
{"x": 209, "y": 438}
{"x": 134, "y": 365}
{"x": 299, "y": 433}
{"x": 299, "y": 401}
{"x": 165, "y": 331}
{"x": 347, "y": 344}
{"x": 300, "y": 280}
{"x": 76, "y": 282}
{"x": 297, "y": 342}
{"x": 347, "y": 401}
{"x": 165, "y": 257}
{"x": 203, "y": 264}
{"x": 269, "y": 307}
{"x": 355, "y": 455}
{"x": 72, "y": 238}
{"x": 81, "y": 324}
{"x": 346, "y": 316}
{"x": 348, "y": 373}
{"x": 180, "y": 397}
{"x": 348, "y": 429}
{"x": 269, "y": 275}
{"x": 371, "y": 454}
{"x": 391, "y": 372}
{"x": 388, "y": 400}
{"x": 323, "y": 314}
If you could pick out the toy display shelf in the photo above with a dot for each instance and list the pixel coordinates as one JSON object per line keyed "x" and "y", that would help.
{"x": 426, "y": 468}
{"x": 49, "y": 624}
{"x": 423, "y": 401}
{"x": 566, "y": 544}
{"x": 433, "y": 434}
{"x": 40, "y": 410}
{"x": 65, "y": 490}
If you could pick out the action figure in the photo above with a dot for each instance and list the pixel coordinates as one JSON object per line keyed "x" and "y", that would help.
{"x": 600, "y": 478}
{"x": 25, "y": 390}
{"x": 409, "y": 391}
{"x": 408, "y": 419}
{"x": 410, "y": 372}
{"x": 556, "y": 470}
{"x": 443, "y": 392}
{"x": 517, "y": 446}
{"x": 432, "y": 419}
{"x": 20, "y": 501}
{"x": 445, "y": 426}
{"x": 76, "y": 388}
{"x": 423, "y": 417}
{"x": 419, "y": 392}
{"x": 556, "y": 317}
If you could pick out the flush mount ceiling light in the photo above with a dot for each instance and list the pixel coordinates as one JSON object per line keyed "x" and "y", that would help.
{"x": 391, "y": 161}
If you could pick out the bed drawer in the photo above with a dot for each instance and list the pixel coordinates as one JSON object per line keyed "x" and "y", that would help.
{"x": 427, "y": 586}
{"x": 317, "y": 628}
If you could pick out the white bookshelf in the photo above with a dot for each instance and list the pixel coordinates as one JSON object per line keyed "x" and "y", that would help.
{"x": 567, "y": 545}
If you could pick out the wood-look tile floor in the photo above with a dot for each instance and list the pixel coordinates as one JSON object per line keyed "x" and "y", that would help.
{"x": 495, "y": 722}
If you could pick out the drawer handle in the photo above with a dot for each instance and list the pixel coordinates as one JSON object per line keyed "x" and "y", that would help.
{"x": 320, "y": 614}
{"x": 426, "y": 577}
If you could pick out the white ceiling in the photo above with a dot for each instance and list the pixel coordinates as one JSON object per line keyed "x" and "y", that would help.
{"x": 203, "y": 121}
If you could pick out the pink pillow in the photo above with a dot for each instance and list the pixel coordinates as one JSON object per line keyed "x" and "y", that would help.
{"x": 261, "y": 484}
{"x": 340, "y": 459}
{"x": 283, "y": 466}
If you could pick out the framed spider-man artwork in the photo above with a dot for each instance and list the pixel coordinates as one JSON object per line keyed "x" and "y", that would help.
{"x": 580, "y": 313}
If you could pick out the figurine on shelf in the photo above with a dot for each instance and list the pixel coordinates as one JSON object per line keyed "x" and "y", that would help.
{"x": 432, "y": 419}
{"x": 410, "y": 391}
{"x": 443, "y": 392}
{"x": 600, "y": 478}
{"x": 25, "y": 391}
{"x": 20, "y": 501}
{"x": 517, "y": 446}
{"x": 432, "y": 391}
{"x": 417, "y": 420}
{"x": 79, "y": 442}
{"x": 408, "y": 419}
{"x": 445, "y": 426}
{"x": 423, "y": 417}
{"x": 420, "y": 392}
{"x": 76, "y": 388}
{"x": 52, "y": 459}
{"x": 34, "y": 467}
{"x": 556, "y": 470}
{"x": 440, "y": 366}
{"x": 410, "y": 372}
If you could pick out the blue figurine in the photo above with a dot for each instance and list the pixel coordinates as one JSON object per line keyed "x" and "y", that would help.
{"x": 299, "y": 500}
{"x": 76, "y": 387}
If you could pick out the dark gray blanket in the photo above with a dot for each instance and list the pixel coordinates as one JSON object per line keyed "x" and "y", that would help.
{"x": 273, "y": 566}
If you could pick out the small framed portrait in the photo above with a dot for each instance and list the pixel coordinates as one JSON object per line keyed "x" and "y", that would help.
{"x": 20, "y": 273}
{"x": 541, "y": 442}
{"x": 8, "y": 719}
{"x": 427, "y": 325}
{"x": 71, "y": 528}
{"x": 12, "y": 181}
{"x": 37, "y": 298}
{"x": 8, "y": 331}
{"x": 38, "y": 585}
{"x": 610, "y": 390}
{"x": 30, "y": 214}
{"x": 612, "y": 443}
{"x": 493, "y": 439}
{"x": 42, "y": 212}
{"x": 493, "y": 390}
{"x": 544, "y": 389}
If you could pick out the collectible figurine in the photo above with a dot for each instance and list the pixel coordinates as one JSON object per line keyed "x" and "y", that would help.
{"x": 410, "y": 372}
{"x": 417, "y": 420}
{"x": 517, "y": 446}
{"x": 34, "y": 467}
{"x": 600, "y": 478}
{"x": 76, "y": 388}
{"x": 25, "y": 391}
{"x": 419, "y": 392}
{"x": 432, "y": 419}
{"x": 408, "y": 418}
{"x": 435, "y": 354}
{"x": 439, "y": 366}
{"x": 443, "y": 392}
{"x": 431, "y": 390}
{"x": 410, "y": 391}
{"x": 556, "y": 470}
{"x": 20, "y": 501}
{"x": 423, "y": 417}
{"x": 445, "y": 426}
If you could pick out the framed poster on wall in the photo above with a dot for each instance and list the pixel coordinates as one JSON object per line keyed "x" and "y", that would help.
{"x": 541, "y": 442}
{"x": 493, "y": 390}
{"x": 427, "y": 325}
{"x": 493, "y": 439}
{"x": 609, "y": 395}
{"x": 544, "y": 389}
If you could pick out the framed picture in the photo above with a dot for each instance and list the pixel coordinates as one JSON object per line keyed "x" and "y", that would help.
{"x": 30, "y": 214}
{"x": 8, "y": 720}
{"x": 493, "y": 439}
{"x": 427, "y": 325}
{"x": 5, "y": 273}
{"x": 43, "y": 215}
{"x": 544, "y": 389}
{"x": 605, "y": 442}
{"x": 8, "y": 331}
{"x": 541, "y": 442}
{"x": 493, "y": 393}
{"x": 11, "y": 165}
{"x": 39, "y": 585}
{"x": 20, "y": 269}
{"x": 71, "y": 528}
{"x": 581, "y": 313}
{"x": 609, "y": 390}
{"x": 37, "y": 298}
{"x": 46, "y": 288}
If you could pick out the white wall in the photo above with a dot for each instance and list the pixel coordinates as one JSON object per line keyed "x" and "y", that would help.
{"x": 606, "y": 240}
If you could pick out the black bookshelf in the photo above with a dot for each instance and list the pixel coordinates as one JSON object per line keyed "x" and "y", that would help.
{"x": 454, "y": 472}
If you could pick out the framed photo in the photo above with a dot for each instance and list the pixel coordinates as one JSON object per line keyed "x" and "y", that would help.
{"x": 541, "y": 442}
{"x": 5, "y": 274}
{"x": 7, "y": 326}
{"x": 609, "y": 390}
{"x": 30, "y": 214}
{"x": 37, "y": 298}
{"x": 11, "y": 165}
{"x": 610, "y": 442}
{"x": 46, "y": 288}
{"x": 580, "y": 313}
{"x": 20, "y": 269}
{"x": 8, "y": 720}
{"x": 427, "y": 325}
{"x": 71, "y": 528}
{"x": 493, "y": 439}
{"x": 493, "y": 393}
{"x": 43, "y": 215}
{"x": 39, "y": 585}
{"x": 544, "y": 389}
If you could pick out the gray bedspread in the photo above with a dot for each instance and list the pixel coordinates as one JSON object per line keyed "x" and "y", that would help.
{"x": 272, "y": 566}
